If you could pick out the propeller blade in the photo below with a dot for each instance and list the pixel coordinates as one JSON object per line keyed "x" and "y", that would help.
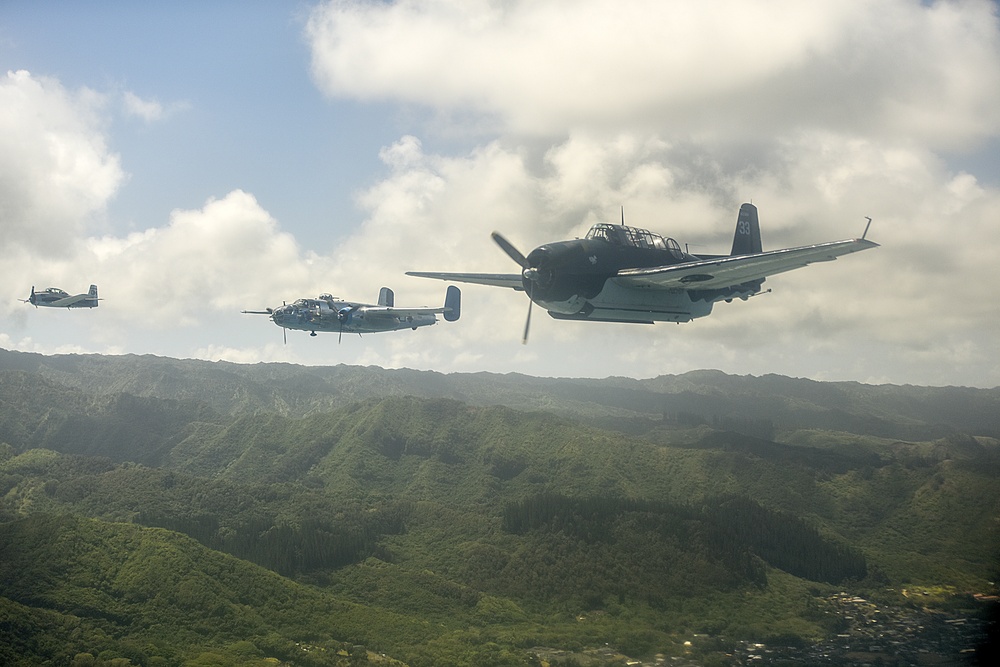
{"x": 527, "y": 323}
{"x": 284, "y": 335}
{"x": 511, "y": 251}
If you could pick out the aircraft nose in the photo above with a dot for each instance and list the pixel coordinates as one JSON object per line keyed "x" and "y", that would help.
{"x": 540, "y": 262}
{"x": 539, "y": 256}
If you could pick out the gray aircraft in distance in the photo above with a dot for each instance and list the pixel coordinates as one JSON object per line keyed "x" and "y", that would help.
{"x": 330, "y": 313}
{"x": 53, "y": 297}
{"x": 626, "y": 274}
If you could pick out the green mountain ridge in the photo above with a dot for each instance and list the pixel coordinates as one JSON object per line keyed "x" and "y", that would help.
{"x": 905, "y": 412}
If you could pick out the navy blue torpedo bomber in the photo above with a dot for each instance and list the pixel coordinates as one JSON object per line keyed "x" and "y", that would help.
{"x": 625, "y": 274}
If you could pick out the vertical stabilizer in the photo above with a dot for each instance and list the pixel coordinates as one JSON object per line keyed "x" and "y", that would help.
{"x": 452, "y": 301}
{"x": 92, "y": 296}
{"x": 747, "y": 238}
{"x": 386, "y": 297}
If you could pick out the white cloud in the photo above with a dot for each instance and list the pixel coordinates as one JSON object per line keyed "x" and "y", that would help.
{"x": 26, "y": 344}
{"x": 247, "y": 355}
{"x": 56, "y": 171}
{"x": 222, "y": 257}
{"x": 148, "y": 110}
{"x": 893, "y": 68}
{"x": 56, "y": 174}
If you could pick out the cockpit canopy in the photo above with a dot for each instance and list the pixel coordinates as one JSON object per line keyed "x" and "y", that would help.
{"x": 311, "y": 304}
{"x": 634, "y": 237}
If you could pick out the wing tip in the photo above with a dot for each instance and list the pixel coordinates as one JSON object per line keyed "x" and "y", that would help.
{"x": 866, "y": 243}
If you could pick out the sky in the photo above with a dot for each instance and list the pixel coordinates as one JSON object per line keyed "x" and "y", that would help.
{"x": 197, "y": 159}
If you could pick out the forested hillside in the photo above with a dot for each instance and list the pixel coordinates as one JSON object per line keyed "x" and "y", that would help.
{"x": 183, "y": 512}
{"x": 156, "y": 597}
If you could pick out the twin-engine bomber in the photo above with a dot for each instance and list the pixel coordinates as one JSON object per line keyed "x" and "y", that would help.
{"x": 626, "y": 274}
{"x": 329, "y": 313}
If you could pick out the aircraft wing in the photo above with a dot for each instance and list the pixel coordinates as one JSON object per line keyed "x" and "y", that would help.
{"x": 68, "y": 301}
{"x": 725, "y": 271}
{"x": 511, "y": 280}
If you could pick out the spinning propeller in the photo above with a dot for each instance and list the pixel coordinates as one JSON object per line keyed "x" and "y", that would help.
{"x": 31, "y": 299}
{"x": 344, "y": 316}
{"x": 528, "y": 272}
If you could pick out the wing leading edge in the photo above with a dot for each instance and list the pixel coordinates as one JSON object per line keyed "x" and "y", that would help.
{"x": 511, "y": 280}
{"x": 720, "y": 272}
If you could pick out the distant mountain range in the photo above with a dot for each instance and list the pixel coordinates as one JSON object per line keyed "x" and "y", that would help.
{"x": 231, "y": 389}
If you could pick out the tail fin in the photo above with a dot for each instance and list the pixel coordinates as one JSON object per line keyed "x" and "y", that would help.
{"x": 93, "y": 292}
{"x": 453, "y": 301}
{"x": 386, "y": 297}
{"x": 747, "y": 238}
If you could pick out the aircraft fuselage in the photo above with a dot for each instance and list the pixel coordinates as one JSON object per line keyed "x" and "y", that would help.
{"x": 335, "y": 316}
{"x": 330, "y": 314}
{"x": 53, "y": 297}
{"x": 570, "y": 279}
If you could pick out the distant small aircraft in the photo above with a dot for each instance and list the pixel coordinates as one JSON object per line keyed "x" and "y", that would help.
{"x": 53, "y": 297}
{"x": 329, "y": 313}
{"x": 625, "y": 274}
